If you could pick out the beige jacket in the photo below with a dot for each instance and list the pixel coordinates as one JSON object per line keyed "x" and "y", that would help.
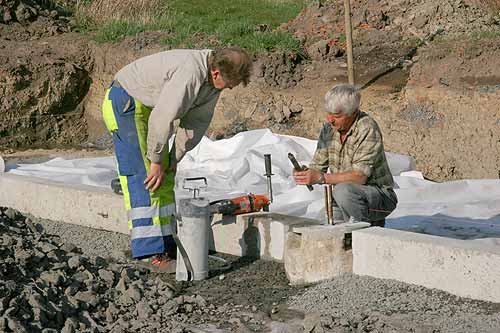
{"x": 176, "y": 84}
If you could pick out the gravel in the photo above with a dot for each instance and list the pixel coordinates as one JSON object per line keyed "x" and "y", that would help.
{"x": 366, "y": 304}
{"x": 56, "y": 277}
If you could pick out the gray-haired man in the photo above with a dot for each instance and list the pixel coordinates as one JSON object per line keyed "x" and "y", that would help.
{"x": 350, "y": 155}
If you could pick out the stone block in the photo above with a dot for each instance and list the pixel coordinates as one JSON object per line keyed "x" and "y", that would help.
{"x": 260, "y": 234}
{"x": 467, "y": 268}
{"x": 88, "y": 206}
{"x": 318, "y": 253}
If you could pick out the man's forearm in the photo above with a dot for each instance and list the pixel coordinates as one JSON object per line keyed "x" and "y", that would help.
{"x": 345, "y": 177}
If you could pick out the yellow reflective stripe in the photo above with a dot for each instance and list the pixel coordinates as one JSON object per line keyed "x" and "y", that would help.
{"x": 126, "y": 193}
{"x": 126, "y": 196}
{"x": 108, "y": 115}
{"x": 142, "y": 113}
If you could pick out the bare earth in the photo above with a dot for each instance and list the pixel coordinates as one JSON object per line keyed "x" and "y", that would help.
{"x": 429, "y": 77}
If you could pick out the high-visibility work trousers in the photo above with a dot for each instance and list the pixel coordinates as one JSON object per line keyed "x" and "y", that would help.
{"x": 148, "y": 212}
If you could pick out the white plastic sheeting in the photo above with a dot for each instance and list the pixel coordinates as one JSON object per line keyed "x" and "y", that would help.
{"x": 463, "y": 209}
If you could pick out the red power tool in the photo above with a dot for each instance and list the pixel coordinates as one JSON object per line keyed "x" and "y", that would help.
{"x": 240, "y": 205}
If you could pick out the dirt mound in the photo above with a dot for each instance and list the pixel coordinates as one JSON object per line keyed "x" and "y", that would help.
{"x": 325, "y": 20}
{"x": 41, "y": 82}
{"x": 26, "y": 12}
{"x": 42, "y": 86}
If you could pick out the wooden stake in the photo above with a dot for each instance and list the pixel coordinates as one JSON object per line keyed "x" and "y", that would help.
{"x": 348, "y": 36}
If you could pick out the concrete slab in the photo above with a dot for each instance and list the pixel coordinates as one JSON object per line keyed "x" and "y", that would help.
{"x": 462, "y": 267}
{"x": 318, "y": 253}
{"x": 87, "y": 206}
{"x": 257, "y": 234}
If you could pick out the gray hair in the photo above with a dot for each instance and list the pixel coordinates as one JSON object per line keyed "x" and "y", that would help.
{"x": 343, "y": 96}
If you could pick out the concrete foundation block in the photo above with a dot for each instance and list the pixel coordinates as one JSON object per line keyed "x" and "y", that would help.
{"x": 462, "y": 267}
{"x": 319, "y": 253}
{"x": 260, "y": 235}
{"x": 87, "y": 206}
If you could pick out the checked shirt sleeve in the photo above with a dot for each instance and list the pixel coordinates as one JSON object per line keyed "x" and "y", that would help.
{"x": 320, "y": 158}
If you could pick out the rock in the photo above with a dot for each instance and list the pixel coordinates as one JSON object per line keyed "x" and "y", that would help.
{"x": 143, "y": 309}
{"x": 311, "y": 322}
{"x": 131, "y": 295}
{"x": 107, "y": 276}
{"x": 127, "y": 274}
{"x": 318, "y": 50}
{"x": 200, "y": 301}
{"x": 36, "y": 229}
{"x": 7, "y": 16}
{"x": 420, "y": 21}
{"x": 16, "y": 326}
{"x": 47, "y": 247}
{"x": 54, "y": 278}
{"x": 121, "y": 285}
{"x": 25, "y": 13}
{"x": 280, "y": 327}
{"x": 70, "y": 326}
{"x": 69, "y": 247}
{"x": 98, "y": 261}
{"x": 3, "y": 324}
{"x": 74, "y": 262}
{"x": 11, "y": 213}
{"x": 88, "y": 297}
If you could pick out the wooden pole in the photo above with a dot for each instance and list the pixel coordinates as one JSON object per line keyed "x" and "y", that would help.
{"x": 348, "y": 36}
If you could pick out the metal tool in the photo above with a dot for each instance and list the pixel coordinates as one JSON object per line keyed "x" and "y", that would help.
{"x": 240, "y": 205}
{"x": 297, "y": 167}
{"x": 191, "y": 232}
{"x": 329, "y": 204}
{"x": 196, "y": 183}
{"x": 268, "y": 174}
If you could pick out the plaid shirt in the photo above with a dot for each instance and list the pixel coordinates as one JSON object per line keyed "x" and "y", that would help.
{"x": 363, "y": 151}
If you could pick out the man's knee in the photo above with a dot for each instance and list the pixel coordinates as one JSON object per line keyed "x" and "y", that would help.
{"x": 344, "y": 193}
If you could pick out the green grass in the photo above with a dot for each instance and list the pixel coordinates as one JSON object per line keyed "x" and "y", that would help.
{"x": 485, "y": 34}
{"x": 207, "y": 23}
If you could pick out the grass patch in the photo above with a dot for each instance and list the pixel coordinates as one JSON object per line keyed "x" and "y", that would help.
{"x": 485, "y": 34}
{"x": 195, "y": 23}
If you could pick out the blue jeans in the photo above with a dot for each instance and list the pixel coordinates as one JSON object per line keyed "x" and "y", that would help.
{"x": 364, "y": 203}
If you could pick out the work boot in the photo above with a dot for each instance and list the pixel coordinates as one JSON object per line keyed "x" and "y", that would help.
{"x": 162, "y": 263}
{"x": 158, "y": 263}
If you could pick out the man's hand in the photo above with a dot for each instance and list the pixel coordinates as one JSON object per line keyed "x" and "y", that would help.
{"x": 307, "y": 177}
{"x": 155, "y": 177}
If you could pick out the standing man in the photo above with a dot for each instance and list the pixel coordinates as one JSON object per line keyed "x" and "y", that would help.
{"x": 350, "y": 146}
{"x": 139, "y": 110}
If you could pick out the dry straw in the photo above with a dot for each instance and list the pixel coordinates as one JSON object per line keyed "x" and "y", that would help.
{"x": 103, "y": 11}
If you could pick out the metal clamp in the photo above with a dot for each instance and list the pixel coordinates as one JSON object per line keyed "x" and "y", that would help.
{"x": 195, "y": 189}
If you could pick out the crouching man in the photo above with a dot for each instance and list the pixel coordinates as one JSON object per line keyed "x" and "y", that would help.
{"x": 350, "y": 155}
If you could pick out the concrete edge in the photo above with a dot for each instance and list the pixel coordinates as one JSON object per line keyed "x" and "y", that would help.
{"x": 431, "y": 239}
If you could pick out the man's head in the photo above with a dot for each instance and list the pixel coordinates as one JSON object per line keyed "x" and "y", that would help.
{"x": 342, "y": 106}
{"x": 229, "y": 67}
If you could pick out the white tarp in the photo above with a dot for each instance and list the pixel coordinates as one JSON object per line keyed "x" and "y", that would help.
{"x": 235, "y": 166}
